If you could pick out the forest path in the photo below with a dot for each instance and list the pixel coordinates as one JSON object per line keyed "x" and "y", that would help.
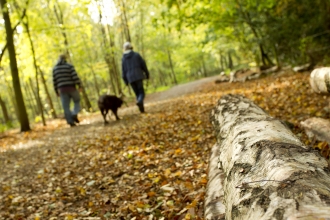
{"x": 76, "y": 170}
{"x": 180, "y": 90}
{"x": 132, "y": 163}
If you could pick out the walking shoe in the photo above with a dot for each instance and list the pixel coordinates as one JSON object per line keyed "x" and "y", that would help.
{"x": 141, "y": 107}
{"x": 75, "y": 118}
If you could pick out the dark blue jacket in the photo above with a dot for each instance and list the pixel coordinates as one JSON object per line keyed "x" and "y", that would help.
{"x": 134, "y": 68}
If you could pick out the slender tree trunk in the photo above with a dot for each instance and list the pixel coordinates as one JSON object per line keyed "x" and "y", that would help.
{"x": 126, "y": 26}
{"x": 116, "y": 72}
{"x": 162, "y": 78}
{"x": 41, "y": 110}
{"x": 59, "y": 16}
{"x": 23, "y": 117}
{"x": 90, "y": 66}
{"x": 230, "y": 61}
{"x": 204, "y": 67}
{"x": 50, "y": 101}
{"x": 225, "y": 61}
{"x": 171, "y": 66}
{"x": 264, "y": 57}
{"x": 141, "y": 29}
{"x": 96, "y": 85}
{"x": 86, "y": 99}
{"x": 16, "y": 25}
{"x": 276, "y": 57}
{"x": 34, "y": 92}
{"x": 30, "y": 100}
{"x": 221, "y": 61}
{"x": 107, "y": 55}
{"x": 4, "y": 111}
{"x": 263, "y": 170}
{"x": 11, "y": 94}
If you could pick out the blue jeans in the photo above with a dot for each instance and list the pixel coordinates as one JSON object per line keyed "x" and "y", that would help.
{"x": 138, "y": 89}
{"x": 66, "y": 100}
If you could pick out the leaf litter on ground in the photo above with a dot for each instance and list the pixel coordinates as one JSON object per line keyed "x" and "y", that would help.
{"x": 148, "y": 166}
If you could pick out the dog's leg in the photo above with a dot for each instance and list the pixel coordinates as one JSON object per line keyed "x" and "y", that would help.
{"x": 115, "y": 113}
{"x": 104, "y": 113}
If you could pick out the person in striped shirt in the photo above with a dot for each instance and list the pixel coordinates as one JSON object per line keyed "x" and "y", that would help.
{"x": 65, "y": 80}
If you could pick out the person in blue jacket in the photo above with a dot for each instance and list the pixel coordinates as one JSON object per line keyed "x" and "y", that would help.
{"x": 134, "y": 70}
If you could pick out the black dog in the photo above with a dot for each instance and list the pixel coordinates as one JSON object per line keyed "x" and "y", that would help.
{"x": 109, "y": 102}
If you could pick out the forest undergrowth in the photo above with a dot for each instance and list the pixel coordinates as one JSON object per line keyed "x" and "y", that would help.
{"x": 145, "y": 166}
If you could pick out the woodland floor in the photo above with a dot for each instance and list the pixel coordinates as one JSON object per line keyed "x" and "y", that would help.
{"x": 145, "y": 166}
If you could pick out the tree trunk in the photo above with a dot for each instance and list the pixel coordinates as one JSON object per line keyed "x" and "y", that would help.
{"x": 141, "y": 37}
{"x": 116, "y": 72}
{"x": 23, "y": 117}
{"x": 50, "y": 102}
{"x": 204, "y": 67}
{"x": 264, "y": 57}
{"x": 35, "y": 96}
{"x": 230, "y": 61}
{"x": 107, "y": 54}
{"x": 276, "y": 57}
{"x": 171, "y": 66}
{"x": 30, "y": 99}
{"x": 11, "y": 94}
{"x": 126, "y": 27}
{"x": 222, "y": 66}
{"x": 96, "y": 85}
{"x": 86, "y": 99}
{"x": 268, "y": 172}
{"x": 59, "y": 17}
{"x": 4, "y": 111}
{"x": 37, "y": 92}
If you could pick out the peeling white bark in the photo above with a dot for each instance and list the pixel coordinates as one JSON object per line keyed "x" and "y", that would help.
{"x": 268, "y": 172}
{"x": 320, "y": 80}
{"x": 317, "y": 128}
{"x": 214, "y": 207}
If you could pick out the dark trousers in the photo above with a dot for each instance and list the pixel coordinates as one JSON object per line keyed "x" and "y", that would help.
{"x": 138, "y": 89}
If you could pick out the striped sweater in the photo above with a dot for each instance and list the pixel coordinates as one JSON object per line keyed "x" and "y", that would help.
{"x": 65, "y": 75}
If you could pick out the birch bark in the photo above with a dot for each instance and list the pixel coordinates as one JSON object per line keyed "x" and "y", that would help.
{"x": 267, "y": 172}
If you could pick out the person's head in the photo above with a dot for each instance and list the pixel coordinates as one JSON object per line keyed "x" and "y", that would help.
{"x": 127, "y": 46}
{"x": 62, "y": 57}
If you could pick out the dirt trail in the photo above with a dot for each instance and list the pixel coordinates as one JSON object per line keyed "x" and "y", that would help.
{"x": 180, "y": 90}
{"x": 62, "y": 171}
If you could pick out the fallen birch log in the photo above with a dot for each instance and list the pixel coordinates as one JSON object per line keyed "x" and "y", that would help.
{"x": 317, "y": 128}
{"x": 267, "y": 172}
{"x": 320, "y": 80}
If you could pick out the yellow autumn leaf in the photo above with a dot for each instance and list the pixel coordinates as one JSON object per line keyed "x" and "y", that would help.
{"x": 187, "y": 216}
{"x": 69, "y": 217}
{"x": 179, "y": 173}
{"x": 195, "y": 138}
{"x": 178, "y": 151}
{"x": 156, "y": 180}
{"x": 192, "y": 204}
{"x": 203, "y": 181}
{"x": 82, "y": 191}
{"x": 167, "y": 172}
